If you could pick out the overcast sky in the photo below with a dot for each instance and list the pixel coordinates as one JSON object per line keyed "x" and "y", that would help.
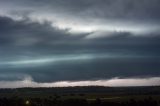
{"x": 48, "y": 41}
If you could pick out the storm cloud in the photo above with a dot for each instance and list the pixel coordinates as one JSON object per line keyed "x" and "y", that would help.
{"x": 83, "y": 40}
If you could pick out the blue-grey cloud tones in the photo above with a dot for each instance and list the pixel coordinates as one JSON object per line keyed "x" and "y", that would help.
{"x": 85, "y": 40}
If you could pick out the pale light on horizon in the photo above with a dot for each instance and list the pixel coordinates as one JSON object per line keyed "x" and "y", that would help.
{"x": 114, "y": 82}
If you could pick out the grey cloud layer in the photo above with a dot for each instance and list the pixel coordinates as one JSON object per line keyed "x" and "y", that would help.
{"x": 30, "y": 35}
{"x": 119, "y": 15}
{"x": 128, "y": 55}
{"x": 144, "y": 9}
{"x": 32, "y": 46}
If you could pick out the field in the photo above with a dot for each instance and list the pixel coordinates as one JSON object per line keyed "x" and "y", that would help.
{"x": 86, "y": 96}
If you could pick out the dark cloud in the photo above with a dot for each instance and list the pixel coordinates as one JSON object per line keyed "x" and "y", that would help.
{"x": 119, "y": 38}
{"x": 31, "y": 33}
{"x": 129, "y": 55}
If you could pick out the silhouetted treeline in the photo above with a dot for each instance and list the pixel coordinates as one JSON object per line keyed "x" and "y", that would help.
{"x": 15, "y": 101}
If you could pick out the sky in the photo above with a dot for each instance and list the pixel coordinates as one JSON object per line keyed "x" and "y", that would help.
{"x": 50, "y": 43}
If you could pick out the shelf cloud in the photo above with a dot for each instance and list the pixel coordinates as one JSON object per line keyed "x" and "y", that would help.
{"x": 79, "y": 42}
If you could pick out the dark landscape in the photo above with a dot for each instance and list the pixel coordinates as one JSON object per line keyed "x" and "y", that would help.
{"x": 81, "y": 96}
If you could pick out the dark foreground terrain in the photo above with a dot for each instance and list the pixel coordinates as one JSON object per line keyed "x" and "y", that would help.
{"x": 81, "y": 96}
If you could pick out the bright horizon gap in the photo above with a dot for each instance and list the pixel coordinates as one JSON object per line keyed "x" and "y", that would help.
{"x": 114, "y": 82}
